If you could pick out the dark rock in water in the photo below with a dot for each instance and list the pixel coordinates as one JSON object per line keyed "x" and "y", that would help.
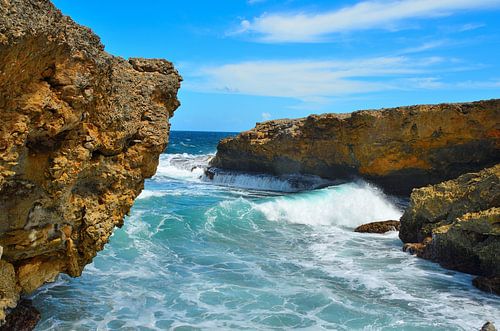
{"x": 378, "y": 227}
{"x": 417, "y": 248}
{"x": 22, "y": 318}
{"x": 491, "y": 285}
{"x": 210, "y": 173}
{"x": 398, "y": 149}
{"x": 488, "y": 326}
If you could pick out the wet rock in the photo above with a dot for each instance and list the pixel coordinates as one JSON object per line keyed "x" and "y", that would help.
{"x": 210, "y": 173}
{"x": 80, "y": 131}
{"x": 488, "y": 326}
{"x": 399, "y": 149}
{"x": 378, "y": 227}
{"x": 22, "y": 318}
{"x": 491, "y": 285}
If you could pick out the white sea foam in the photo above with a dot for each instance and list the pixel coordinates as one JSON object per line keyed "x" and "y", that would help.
{"x": 146, "y": 194}
{"x": 182, "y": 166}
{"x": 263, "y": 182}
{"x": 191, "y": 167}
{"x": 347, "y": 205}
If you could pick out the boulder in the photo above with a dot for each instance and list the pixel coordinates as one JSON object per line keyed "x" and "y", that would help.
{"x": 378, "y": 227}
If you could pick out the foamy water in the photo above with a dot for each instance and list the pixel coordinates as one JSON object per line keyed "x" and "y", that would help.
{"x": 238, "y": 254}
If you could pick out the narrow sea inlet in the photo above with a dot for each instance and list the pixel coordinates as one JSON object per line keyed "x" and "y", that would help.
{"x": 258, "y": 252}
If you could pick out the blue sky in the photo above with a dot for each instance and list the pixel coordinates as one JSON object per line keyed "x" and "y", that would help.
{"x": 244, "y": 61}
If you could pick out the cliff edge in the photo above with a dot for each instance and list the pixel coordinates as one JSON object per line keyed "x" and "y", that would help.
{"x": 398, "y": 149}
{"x": 80, "y": 131}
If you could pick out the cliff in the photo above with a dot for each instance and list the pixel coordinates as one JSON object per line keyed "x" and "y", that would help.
{"x": 80, "y": 131}
{"x": 457, "y": 223}
{"x": 398, "y": 149}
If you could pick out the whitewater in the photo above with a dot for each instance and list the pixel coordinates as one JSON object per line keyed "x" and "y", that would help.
{"x": 258, "y": 252}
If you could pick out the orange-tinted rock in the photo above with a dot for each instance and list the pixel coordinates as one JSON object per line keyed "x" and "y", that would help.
{"x": 80, "y": 131}
{"x": 398, "y": 149}
{"x": 378, "y": 227}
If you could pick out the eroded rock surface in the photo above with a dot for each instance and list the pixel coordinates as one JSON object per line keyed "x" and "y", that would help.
{"x": 80, "y": 130}
{"x": 378, "y": 227}
{"x": 398, "y": 149}
{"x": 457, "y": 223}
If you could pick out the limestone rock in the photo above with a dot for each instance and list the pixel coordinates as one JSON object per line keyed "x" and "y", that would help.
{"x": 457, "y": 223}
{"x": 80, "y": 131}
{"x": 378, "y": 227}
{"x": 398, "y": 149}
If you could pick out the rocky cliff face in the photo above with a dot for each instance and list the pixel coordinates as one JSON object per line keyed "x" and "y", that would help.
{"x": 457, "y": 223}
{"x": 398, "y": 149}
{"x": 80, "y": 131}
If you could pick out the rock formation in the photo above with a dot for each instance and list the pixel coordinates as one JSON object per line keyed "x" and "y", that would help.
{"x": 457, "y": 223}
{"x": 378, "y": 227}
{"x": 398, "y": 149}
{"x": 80, "y": 131}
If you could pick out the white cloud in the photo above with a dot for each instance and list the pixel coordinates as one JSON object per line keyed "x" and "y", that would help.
{"x": 307, "y": 80}
{"x": 425, "y": 47}
{"x": 266, "y": 116}
{"x": 312, "y": 27}
{"x": 315, "y": 83}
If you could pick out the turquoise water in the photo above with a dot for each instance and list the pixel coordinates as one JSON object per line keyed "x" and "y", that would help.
{"x": 194, "y": 255}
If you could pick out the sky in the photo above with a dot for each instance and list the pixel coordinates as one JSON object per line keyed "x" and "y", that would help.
{"x": 247, "y": 61}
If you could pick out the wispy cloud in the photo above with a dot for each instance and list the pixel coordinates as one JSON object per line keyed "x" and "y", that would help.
{"x": 314, "y": 27}
{"x": 310, "y": 81}
{"x": 425, "y": 46}
{"x": 317, "y": 83}
{"x": 266, "y": 116}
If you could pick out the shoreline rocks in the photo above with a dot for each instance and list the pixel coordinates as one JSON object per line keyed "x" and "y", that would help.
{"x": 398, "y": 149}
{"x": 81, "y": 130}
{"x": 457, "y": 224}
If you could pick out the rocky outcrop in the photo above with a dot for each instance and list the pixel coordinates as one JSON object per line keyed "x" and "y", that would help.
{"x": 80, "y": 131}
{"x": 457, "y": 223}
{"x": 378, "y": 227}
{"x": 398, "y": 149}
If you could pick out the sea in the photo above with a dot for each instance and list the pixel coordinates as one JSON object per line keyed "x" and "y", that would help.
{"x": 258, "y": 252}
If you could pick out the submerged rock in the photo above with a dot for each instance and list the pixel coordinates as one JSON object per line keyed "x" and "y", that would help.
{"x": 378, "y": 227}
{"x": 457, "y": 223}
{"x": 491, "y": 285}
{"x": 398, "y": 149}
{"x": 80, "y": 131}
